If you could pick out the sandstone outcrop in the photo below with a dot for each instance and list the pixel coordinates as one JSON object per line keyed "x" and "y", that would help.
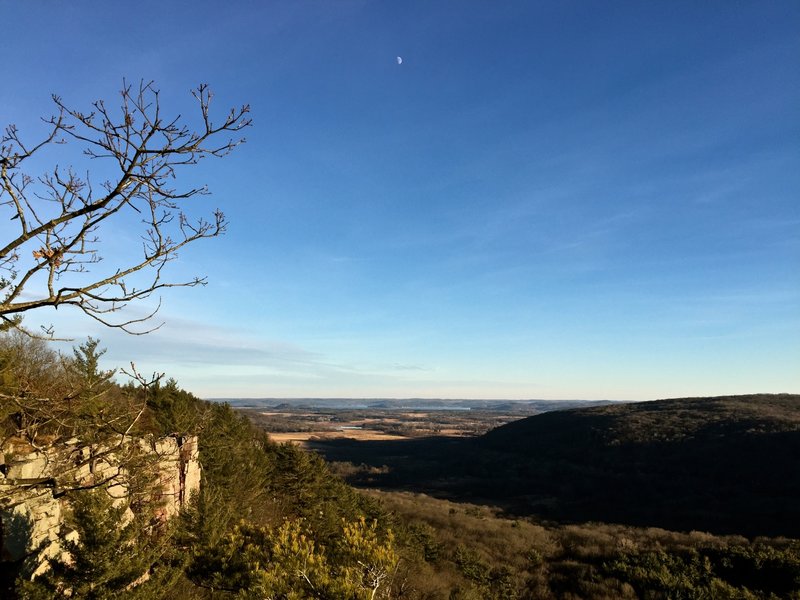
{"x": 36, "y": 485}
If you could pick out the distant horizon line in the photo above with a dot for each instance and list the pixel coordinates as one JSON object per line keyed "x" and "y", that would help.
{"x": 454, "y": 399}
{"x": 406, "y": 398}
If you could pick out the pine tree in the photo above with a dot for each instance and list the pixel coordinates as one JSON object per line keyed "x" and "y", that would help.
{"x": 86, "y": 365}
{"x": 110, "y": 557}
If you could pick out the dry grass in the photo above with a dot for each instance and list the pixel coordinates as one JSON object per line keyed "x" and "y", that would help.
{"x": 303, "y": 437}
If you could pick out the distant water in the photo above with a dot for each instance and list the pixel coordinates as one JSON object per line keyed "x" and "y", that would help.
{"x": 530, "y": 406}
{"x": 334, "y": 404}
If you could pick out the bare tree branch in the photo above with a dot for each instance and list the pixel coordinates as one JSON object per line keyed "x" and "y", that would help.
{"x": 61, "y": 217}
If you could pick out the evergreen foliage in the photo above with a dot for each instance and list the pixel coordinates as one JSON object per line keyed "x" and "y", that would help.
{"x": 289, "y": 563}
{"x": 107, "y": 550}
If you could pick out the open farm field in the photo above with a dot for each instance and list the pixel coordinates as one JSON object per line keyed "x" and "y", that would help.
{"x": 313, "y": 422}
{"x": 307, "y": 438}
{"x": 305, "y": 427}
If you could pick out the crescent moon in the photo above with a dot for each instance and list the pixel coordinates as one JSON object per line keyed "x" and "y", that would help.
{"x": 399, "y": 60}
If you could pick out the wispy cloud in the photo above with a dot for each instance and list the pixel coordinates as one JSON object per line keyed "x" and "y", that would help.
{"x": 401, "y": 367}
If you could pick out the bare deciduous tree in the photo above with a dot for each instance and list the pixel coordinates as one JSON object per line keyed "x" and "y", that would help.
{"x": 59, "y": 216}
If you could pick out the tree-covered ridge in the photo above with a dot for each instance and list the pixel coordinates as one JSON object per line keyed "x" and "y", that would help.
{"x": 672, "y": 420}
{"x": 722, "y": 465}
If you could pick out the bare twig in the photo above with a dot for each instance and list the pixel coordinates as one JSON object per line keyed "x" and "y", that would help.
{"x": 54, "y": 258}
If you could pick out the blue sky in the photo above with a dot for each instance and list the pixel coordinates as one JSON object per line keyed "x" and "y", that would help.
{"x": 544, "y": 200}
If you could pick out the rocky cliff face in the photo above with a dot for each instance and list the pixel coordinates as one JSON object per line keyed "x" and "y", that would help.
{"x": 35, "y": 485}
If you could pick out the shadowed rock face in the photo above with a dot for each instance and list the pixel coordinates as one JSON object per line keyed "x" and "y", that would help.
{"x": 33, "y": 486}
{"x": 724, "y": 465}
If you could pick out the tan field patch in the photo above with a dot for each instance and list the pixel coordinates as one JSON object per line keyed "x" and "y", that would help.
{"x": 362, "y": 435}
{"x": 451, "y": 432}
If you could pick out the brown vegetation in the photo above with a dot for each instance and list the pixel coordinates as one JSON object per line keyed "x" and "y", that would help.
{"x": 467, "y": 551}
{"x": 330, "y": 423}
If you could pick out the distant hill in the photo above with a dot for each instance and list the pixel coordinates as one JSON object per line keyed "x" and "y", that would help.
{"x": 675, "y": 421}
{"x": 725, "y": 465}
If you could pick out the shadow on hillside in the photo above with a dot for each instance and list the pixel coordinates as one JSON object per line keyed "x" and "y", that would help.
{"x": 724, "y": 478}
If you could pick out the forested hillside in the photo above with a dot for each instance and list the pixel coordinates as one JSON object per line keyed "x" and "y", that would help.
{"x": 723, "y": 465}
